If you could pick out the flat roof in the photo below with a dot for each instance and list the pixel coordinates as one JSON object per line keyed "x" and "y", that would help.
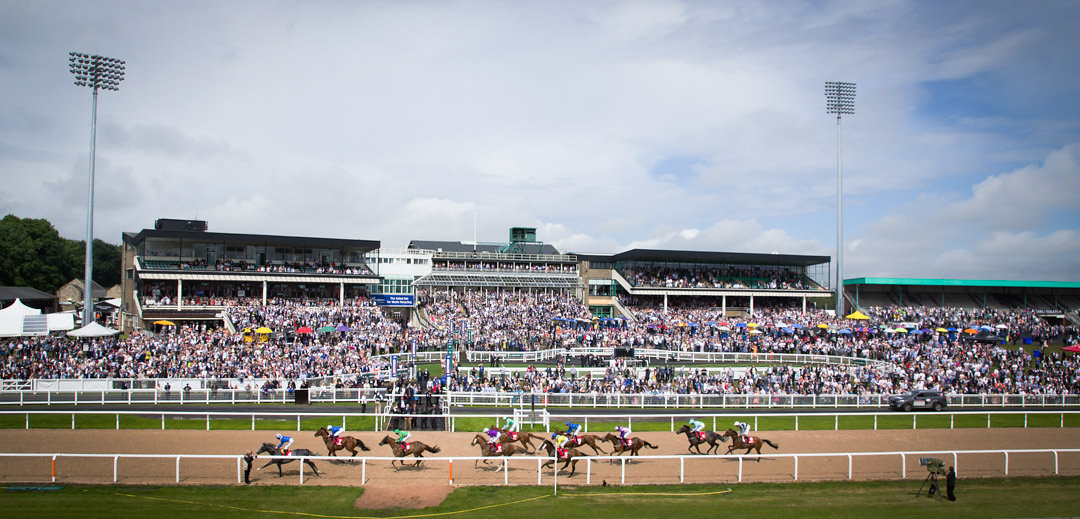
{"x": 687, "y": 256}
{"x": 993, "y": 283}
{"x": 252, "y": 239}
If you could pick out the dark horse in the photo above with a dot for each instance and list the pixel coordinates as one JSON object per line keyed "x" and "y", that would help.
{"x": 591, "y": 440}
{"x": 273, "y": 451}
{"x": 618, "y": 446}
{"x": 737, "y": 442}
{"x": 696, "y": 439}
{"x": 348, "y": 443}
{"x": 416, "y": 449}
{"x": 568, "y": 455}
{"x": 508, "y": 449}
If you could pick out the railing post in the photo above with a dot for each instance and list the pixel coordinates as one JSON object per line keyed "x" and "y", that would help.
{"x": 207, "y": 421}
{"x": 162, "y": 421}
{"x": 506, "y": 471}
{"x": 28, "y": 421}
{"x": 301, "y": 470}
{"x": 114, "y": 459}
{"x": 954, "y": 461}
{"x": 682, "y": 468}
{"x": 796, "y": 467}
{"x": 1025, "y": 420}
{"x": 836, "y": 423}
{"x": 73, "y": 420}
{"x": 1006, "y": 462}
{"x": 52, "y": 471}
{"x": 903, "y": 466}
{"x": 914, "y": 419}
{"x": 623, "y": 477}
{"x": 252, "y": 421}
{"x": 1055, "y": 463}
{"x": 178, "y": 469}
{"x": 740, "y": 467}
{"x": 796, "y": 422}
{"x": 849, "y": 466}
{"x": 238, "y": 470}
{"x": 987, "y": 420}
{"x": 297, "y": 422}
{"x": 363, "y": 471}
{"x": 117, "y": 421}
{"x": 539, "y": 470}
{"x": 588, "y": 470}
{"x": 952, "y": 420}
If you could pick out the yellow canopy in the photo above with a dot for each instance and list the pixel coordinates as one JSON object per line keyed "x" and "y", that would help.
{"x": 822, "y": 325}
{"x": 858, "y": 315}
{"x": 941, "y": 330}
{"x": 753, "y": 325}
{"x": 165, "y": 323}
{"x": 263, "y": 330}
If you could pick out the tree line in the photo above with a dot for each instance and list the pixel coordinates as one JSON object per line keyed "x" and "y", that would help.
{"x": 33, "y": 254}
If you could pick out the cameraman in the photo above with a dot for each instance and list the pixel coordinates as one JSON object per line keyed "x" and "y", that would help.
{"x": 950, "y": 484}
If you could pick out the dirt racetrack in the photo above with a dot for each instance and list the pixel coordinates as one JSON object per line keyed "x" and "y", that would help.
{"x": 523, "y": 470}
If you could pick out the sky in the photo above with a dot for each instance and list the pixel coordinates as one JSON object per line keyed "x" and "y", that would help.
{"x": 606, "y": 125}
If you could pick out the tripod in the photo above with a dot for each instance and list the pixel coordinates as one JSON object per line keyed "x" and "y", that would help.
{"x": 932, "y": 479}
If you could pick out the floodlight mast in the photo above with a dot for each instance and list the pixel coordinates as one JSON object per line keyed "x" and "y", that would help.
{"x": 96, "y": 72}
{"x": 839, "y": 100}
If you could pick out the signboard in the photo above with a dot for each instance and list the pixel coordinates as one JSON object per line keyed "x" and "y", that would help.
{"x": 394, "y": 299}
{"x": 449, "y": 364}
{"x": 393, "y": 365}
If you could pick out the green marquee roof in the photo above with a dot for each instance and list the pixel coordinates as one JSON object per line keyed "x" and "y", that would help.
{"x": 999, "y": 283}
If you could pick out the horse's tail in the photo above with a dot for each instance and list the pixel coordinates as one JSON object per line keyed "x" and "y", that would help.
{"x": 649, "y": 445}
{"x": 434, "y": 449}
{"x": 771, "y": 444}
{"x": 362, "y": 446}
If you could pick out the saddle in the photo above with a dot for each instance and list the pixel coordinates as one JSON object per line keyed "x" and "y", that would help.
{"x": 339, "y": 441}
{"x": 626, "y": 442}
{"x": 748, "y": 439}
{"x": 701, "y": 435}
{"x": 286, "y": 453}
{"x": 498, "y": 448}
{"x": 561, "y": 453}
{"x": 405, "y": 447}
{"x": 579, "y": 441}
{"x": 513, "y": 436}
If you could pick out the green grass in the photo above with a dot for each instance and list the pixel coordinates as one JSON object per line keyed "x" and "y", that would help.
{"x": 1014, "y": 497}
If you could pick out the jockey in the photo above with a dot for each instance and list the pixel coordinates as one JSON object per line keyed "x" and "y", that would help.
{"x": 696, "y": 426}
{"x": 573, "y": 429}
{"x": 402, "y": 436}
{"x": 511, "y": 426}
{"x": 493, "y": 436}
{"x": 286, "y": 442}
{"x": 744, "y": 428}
{"x": 624, "y": 433}
{"x": 335, "y": 431}
{"x": 560, "y": 440}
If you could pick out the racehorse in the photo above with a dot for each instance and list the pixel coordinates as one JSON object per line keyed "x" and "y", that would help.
{"x": 416, "y": 449}
{"x": 274, "y": 451}
{"x": 738, "y": 443}
{"x": 591, "y": 440}
{"x": 525, "y": 438}
{"x": 508, "y": 449}
{"x": 348, "y": 443}
{"x": 618, "y": 446}
{"x": 568, "y": 458}
{"x": 696, "y": 439}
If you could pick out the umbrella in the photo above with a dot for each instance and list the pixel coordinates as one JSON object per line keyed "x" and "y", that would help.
{"x": 710, "y": 323}
{"x": 942, "y": 330}
{"x": 788, "y": 330}
{"x": 926, "y": 330}
{"x": 343, "y": 328}
{"x": 845, "y": 331}
{"x": 724, "y": 329}
{"x": 327, "y": 329}
{"x": 755, "y": 331}
{"x": 822, "y": 325}
{"x": 796, "y": 326}
{"x": 753, "y": 325}
{"x": 681, "y": 325}
{"x": 723, "y": 323}
{"x": 1001, "y": 326}
{"x": 950, "y": 329}
{"x": 263, "y": 330}
{"x": 304, "y": 329}
{"x": 165, "y": 323}
{"x": 900, "y": 329}
{"x": 987, "y": 328}
{"x": 971, "y": 330}
{"x": 916, "y": 332}
{"x": 741, "y": 325}
{"x": 1074, "y": 349}
{"x": 858, "y": 315}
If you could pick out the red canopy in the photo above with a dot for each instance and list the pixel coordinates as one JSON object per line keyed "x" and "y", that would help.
{"x": 1074, "y": 349}
{"x": 304, "y": 329}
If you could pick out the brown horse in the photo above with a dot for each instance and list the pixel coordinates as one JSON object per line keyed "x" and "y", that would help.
{"x": 525, "y": 438}
{"x": 416, "y": 449}
{"x": 591, "y": 440}
{"x": 348, "y": 443}
{"x": 696, "y": 439}
{"x": 568, "y": 457}
{"x": 507, "y": 449}
{"x": 618, "y": 446}
{"x": 737, "y": 442}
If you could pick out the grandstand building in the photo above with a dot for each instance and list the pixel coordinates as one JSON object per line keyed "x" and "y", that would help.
{"x": 731, "y": 280}
{"x": 1049, "y": 298}
{"x": 179, "y": 270}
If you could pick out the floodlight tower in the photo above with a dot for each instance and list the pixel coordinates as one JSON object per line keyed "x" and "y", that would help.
{"x": 96, "y": 72}
{"x": 839, "y": 100}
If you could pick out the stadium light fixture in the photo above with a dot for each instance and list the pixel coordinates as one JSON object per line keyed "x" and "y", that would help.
{"x": 98, "y": 73}
{"x": 839, "y": 100}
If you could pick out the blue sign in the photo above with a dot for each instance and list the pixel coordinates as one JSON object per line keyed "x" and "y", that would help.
{"x": 393, "y": 366}
{"x": 394, "y": 299}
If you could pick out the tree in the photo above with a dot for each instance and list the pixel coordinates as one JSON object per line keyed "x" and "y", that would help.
{"x": 33, "y": 254}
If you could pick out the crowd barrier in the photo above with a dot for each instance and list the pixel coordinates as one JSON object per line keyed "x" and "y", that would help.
{"x": 903, "y": 457}
{"x": 382, "y": 419}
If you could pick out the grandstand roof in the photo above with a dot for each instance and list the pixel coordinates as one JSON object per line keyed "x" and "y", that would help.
{"x": 8, "y": 294}
{"x": 492, "y": 248}
{"x": 709, "y": 257}
{"x": 251, "y": 239}
{"x": 990, "y": 283}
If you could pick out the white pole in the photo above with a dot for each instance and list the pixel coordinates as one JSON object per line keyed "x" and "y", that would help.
{"x": 301, "y": 470}
{"x": 178, "y": 469}
{"x": 114, "y": 468}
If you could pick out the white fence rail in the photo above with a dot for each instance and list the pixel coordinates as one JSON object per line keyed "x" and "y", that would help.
{"x": 381, "y": 420}
{"x": 731, "y": 400}
{"x": 849, "y": 456}
{"x": 193, "y": 396}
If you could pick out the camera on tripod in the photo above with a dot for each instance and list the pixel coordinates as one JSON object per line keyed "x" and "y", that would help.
{"x": 933, "y": 465}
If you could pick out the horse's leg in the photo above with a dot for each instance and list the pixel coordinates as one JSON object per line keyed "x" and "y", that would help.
{"x": 313, "y": 467}
{"x": 279, "y": 472}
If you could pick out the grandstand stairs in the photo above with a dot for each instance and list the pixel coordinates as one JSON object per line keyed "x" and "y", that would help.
{"x": 623, "y": 310}
{"x": 35, "y": 325}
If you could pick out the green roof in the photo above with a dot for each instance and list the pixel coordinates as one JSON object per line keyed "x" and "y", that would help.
{"x": 999, "y": 283}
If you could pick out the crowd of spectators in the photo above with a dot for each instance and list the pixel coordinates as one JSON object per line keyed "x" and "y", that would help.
{"x": 570, "y": 268}
{"x": 501, "y": 320}
{"x": 715, "y": 276}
